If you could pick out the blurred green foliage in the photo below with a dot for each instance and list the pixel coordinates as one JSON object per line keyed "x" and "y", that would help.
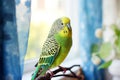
{"x": 106, "y": 47}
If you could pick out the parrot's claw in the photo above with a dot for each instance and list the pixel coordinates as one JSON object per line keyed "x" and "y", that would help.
{"x": 64, "y": 69}
{"x": 51, "y": 73}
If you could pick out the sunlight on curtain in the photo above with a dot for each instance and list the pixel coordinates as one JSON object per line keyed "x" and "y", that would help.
{"x": 23, "y": 8}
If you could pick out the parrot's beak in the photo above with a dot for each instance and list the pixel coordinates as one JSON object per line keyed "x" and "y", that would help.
{"x": 69, "y": 26}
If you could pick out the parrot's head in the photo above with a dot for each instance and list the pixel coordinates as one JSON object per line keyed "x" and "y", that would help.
{"x": 61, "y": 26}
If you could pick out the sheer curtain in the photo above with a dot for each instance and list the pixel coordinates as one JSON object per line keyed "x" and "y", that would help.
{"x": 14, "y": 28}
{"x": 90, "y": 20}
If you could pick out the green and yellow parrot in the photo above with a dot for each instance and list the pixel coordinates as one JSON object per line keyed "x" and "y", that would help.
{"x": 56, "y": 46}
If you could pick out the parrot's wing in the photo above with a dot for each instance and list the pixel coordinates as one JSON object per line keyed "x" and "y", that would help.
{"x": 49, "y": 52}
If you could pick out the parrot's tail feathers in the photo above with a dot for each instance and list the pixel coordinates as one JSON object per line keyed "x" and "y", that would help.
{"x": 36, "y": 64}
{"x": 40, "y": 70}
{"x": 37, "y": 72}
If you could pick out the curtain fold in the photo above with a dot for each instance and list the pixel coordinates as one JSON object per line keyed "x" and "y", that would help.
{"x": 23, "y": 22}
{"x": 90, "y": 20}
{"x": 11, "y": 39}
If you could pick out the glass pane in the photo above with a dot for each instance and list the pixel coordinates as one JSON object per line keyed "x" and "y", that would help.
{"x": 43, "y": 13}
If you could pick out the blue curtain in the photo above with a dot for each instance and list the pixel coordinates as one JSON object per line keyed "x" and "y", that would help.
{"x": 90, "y": 20}
{"x": 14, "y": 28}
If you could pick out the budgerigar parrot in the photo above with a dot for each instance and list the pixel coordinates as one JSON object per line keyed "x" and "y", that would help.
{"x": 56, "y": 46}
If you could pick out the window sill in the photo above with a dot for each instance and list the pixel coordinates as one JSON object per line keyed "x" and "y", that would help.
{"x": 28, "y": 73}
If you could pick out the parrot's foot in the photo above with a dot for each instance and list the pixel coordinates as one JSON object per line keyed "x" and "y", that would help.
{"x": 64, "y": 69}
{"x": 51, "y": 73}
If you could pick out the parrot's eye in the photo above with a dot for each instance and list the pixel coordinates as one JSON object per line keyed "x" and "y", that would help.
{"x": 61, "y": 23}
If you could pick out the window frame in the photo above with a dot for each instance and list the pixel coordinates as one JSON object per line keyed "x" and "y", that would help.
{"x": 29, "y": 65}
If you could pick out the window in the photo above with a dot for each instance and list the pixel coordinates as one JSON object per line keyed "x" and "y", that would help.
{"x": 44, "y": 12}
